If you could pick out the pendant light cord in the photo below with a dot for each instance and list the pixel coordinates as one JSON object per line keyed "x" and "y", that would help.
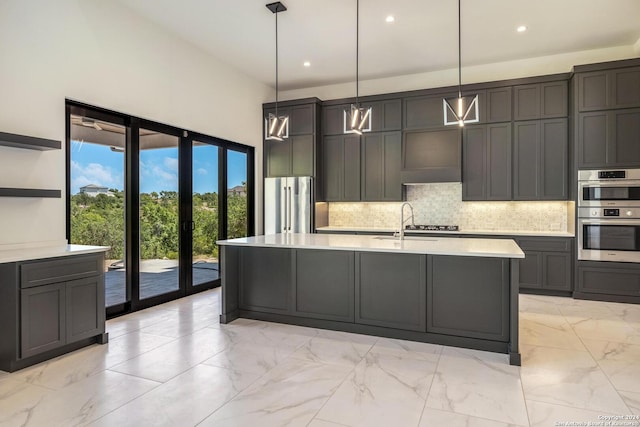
{"x": 357, "y": 48}
{"x": 459, "y": 53}
{"x": 276, "y": 65}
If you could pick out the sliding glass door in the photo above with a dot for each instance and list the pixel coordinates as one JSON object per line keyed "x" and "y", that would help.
{"x": 160, "y": 197}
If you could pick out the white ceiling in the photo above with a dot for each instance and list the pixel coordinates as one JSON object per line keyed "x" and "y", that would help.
{"x": 423, "y": 37}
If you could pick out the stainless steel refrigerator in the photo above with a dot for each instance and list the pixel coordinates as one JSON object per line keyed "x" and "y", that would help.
{"x": 288, "y": 205}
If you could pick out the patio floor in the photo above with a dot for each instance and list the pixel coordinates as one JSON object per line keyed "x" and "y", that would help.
{"x": 157, "y": 277}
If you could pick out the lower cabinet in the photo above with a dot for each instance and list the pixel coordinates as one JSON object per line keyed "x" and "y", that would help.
{"x": 391, "y": 290}
{"x": 548, "y": 263}
{"x": 616, "y": 280}
{"x": 48, "y": 305}
{"x": 468, "y": 297}
{"x": 265, "y": 280}
{"x": 324, "y": 285}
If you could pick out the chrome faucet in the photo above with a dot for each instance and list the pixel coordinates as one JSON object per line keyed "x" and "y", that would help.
{"x": 402, "y": 220}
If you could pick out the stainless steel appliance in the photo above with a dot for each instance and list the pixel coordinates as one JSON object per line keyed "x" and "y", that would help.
{"x": 288, "y": 205}
{"x": 609, "y": 215}
{"x": 619, "y": 187}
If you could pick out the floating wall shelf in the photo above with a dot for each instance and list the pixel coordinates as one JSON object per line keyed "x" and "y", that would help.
{"x": 28, "y": 142}
{"x": 29, "y": 192}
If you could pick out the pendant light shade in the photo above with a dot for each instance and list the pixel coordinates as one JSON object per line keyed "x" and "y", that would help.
{"x": 276, "y": 127}
{"x": 357, "y": 119}
{"x": 460, "y": 110}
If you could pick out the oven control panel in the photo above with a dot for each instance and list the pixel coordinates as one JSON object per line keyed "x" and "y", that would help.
{"x": 611, "y": 213}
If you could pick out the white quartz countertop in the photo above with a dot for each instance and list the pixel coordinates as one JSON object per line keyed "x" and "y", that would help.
{"x": 459, "y": 232}
{"x": 500, "y": 248}
{"x": 25, "y": 254}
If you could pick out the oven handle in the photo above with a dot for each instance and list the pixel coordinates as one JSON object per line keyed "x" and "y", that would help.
{"x": 615, "y": 183}
{"x": 610, "y": 221}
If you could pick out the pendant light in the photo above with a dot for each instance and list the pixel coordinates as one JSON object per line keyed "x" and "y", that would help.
{"x": 276, "y": 127}
{"x": 357, "y": 120}
{"x": 465, "y": 109}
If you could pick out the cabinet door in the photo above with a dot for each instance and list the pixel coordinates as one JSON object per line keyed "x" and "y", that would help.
{"x": 608, "y": 278}
{"x": 424, "y": 112}
{"x": 626, "y": 138}
{"x": 381, "y": 161}
{"x": 526, "y": 102}
{"x": 554, "y": 152}
{"x": 85, "y": 308}
{"x": 554, "y": 99}
{"x": 593, "y": 91}
{"x": 325, "y": 284}
{"x": 278, "y": 157}
{"x": 468, "y": 297}
{"x": 43, "y": 320}
{"x": 474, "y": 163}
{"x": 525, "y": 160}
{"x": 556, "y": 271}
{"x": 265, "y": 279}
{"x": 302, "y": 155}
{"x": 391, "y": 290}
{"x": 593, "y": 139}
{"x": 333, "y": 119}
{"x": 531, "y": 270}
{"x": 385, "y": 115}
{"x": 302, "y": 119}
{"x": 332, "y": 167}
{"x": 626, "y": 87}
{"x": 498, "y": 105}
{"x": 351, "y": 169}
{"x": 498, "y": 157}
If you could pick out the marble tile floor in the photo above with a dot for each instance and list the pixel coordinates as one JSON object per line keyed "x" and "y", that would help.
{"x": 175, "y": 365}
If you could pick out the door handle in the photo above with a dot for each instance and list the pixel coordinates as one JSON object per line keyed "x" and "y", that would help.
{"x": 188, "y": 225}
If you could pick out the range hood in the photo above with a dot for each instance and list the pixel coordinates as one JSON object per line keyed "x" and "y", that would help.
{"x": 431, "y": 156}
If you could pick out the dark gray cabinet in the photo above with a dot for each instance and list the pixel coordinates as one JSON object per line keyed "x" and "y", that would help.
{"x": 296, "y": 155}
{"x": 50, "y": 307}
{"x": 609, "y": 138}
{"x": 341, "y": 168}
{"x": 385, "y": 115}
{"x": 432, "y": 156}
{"x": 324, "y": 285}
{"x": 609, "y": 89}
{"x": 391, "y": 290}
{"x": 265, "y": 280}
{"x": 424, "y": 112}
{"x": 381, "y": 159}
{"x": 548, "y": 263}
{"x": 541, "y": 160}
{"x": 540, "y": 101}
{"x": 498, "y": 105}
{"x": 608, "y": 280}
{"x": 333, "y": 119}
{"x": 478, "y": 311}
{"x": 486, "y": 162}
{"x": 42, "y": 319}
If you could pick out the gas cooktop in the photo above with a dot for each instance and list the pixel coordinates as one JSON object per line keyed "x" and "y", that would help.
{"x": 432, "y": 227}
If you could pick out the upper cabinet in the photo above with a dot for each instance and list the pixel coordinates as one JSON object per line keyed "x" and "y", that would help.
{"x": 296, "y": 155}
{"x": 424, "y": 112}
{"x": 497, "y": 105}
{"x": 380, "y": 177}
{"x": 540, "y": 101}
{"x": 386, "y": 116}
{"x": 609, "y": 89}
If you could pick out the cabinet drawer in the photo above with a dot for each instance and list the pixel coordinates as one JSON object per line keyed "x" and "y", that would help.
{"x": 545, "y": 244}
{"x": 59, "y": 270}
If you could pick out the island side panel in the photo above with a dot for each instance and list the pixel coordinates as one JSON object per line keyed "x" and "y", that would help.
{"x": 468, "y": 297}
{"x": 229, "y": 275}
{"x": 514, "y": 345}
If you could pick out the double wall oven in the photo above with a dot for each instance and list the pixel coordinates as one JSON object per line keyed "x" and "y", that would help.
{"x": 609, "y": 215}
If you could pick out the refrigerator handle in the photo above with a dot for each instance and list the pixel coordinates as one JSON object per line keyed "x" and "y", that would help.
{"x": 289, "y": 213}
{"x": 286, "y": 210}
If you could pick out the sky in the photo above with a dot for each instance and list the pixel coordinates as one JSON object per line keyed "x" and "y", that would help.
{"x": 97, "y": 164}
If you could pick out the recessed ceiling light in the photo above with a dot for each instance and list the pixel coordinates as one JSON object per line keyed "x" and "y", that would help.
{"x": 306, "y": 64}
{"x": 390, "y": 18}
{"x": 522, "y": 28}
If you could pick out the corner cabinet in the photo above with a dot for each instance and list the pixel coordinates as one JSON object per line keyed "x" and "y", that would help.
{"x": 50, "y": 307}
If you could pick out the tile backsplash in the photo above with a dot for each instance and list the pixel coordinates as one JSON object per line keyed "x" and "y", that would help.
{"x": 442, "y": 204}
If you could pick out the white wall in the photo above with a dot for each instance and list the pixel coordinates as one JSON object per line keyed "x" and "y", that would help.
{"x": 475, "y": 74}
{"x": 102, "y": 54}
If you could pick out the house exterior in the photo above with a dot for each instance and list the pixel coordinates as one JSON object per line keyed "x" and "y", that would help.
{"x": 93, "y": 190}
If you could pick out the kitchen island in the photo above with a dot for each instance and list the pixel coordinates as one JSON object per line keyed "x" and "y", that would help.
{"x": 451, "y": 291}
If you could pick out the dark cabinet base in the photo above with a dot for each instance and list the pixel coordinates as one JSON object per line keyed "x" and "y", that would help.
{"x": 608, "y": 281}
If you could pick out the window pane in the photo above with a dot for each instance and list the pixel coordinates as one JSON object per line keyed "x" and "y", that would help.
{"x": 236, "y": 194}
